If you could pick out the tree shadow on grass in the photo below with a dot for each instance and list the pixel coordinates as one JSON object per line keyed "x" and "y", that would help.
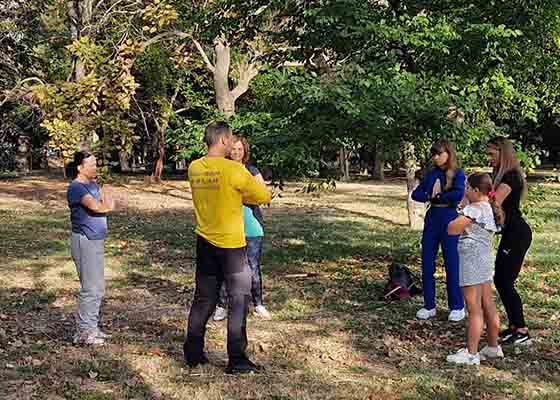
{"x": 349, "y": 253}
{"x": 38, "y": 359}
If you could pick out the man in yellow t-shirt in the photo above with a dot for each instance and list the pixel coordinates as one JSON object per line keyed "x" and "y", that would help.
{"x": 219, "y": 188}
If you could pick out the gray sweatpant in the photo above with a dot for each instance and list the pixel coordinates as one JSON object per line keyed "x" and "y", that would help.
{"x": 88, "y": 256}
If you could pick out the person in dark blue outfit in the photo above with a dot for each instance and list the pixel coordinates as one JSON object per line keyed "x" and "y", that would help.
{"x": 443, "y": 188}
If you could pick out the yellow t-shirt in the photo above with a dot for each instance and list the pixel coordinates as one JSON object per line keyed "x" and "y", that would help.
{"x": 219, "y": 189}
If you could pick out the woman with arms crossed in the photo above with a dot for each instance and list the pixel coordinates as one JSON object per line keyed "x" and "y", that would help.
{"x": 89, "y": 205}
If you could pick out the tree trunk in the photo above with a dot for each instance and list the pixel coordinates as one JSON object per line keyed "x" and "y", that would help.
{"x": 123, "y": 159}
{"x": 379, "y": 167}
{"x": 23, "y": 154}
{"x": 224, "y": 100}
{"x": 158, "y": 165}
{"x": 80, "y": 15}
{"x": 396, "y": 167}
{"x": 414, "y": 208}
{"x": 344, "y": 166}
{"x": 73, "y": 7}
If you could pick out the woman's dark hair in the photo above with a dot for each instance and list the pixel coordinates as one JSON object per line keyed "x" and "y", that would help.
{"x": 72, "y": 167}
{"x": 483, "y": 183}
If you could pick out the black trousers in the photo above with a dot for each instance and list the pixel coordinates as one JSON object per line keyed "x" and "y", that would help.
{"x": 215, "y": 265}
{"x": 516, "y": 240}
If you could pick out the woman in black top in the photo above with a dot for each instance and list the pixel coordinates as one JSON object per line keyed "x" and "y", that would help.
{"x": 509, "y": 186}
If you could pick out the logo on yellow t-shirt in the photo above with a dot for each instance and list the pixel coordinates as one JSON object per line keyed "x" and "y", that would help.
{"x": 205, "y": 180}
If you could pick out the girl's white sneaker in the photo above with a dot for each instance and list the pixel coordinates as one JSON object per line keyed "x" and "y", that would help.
{"x": 464, "y": 357}
{"x": 491, "y": 352}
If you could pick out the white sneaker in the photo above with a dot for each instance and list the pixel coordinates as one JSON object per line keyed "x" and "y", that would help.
{"x": 263, "y": 313}
{"x": 457, "y": 315}
{"x": 491, "y": 352}
{"x": 424, "y": 313}
{"x": 464, "y": 357}
{"x": 220, "y": 314}
{"x": 88, "y": 338}
{"x": 103, "y": 335}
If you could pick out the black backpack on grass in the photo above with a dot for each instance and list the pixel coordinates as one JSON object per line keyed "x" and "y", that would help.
{"x": 402, "y": 284}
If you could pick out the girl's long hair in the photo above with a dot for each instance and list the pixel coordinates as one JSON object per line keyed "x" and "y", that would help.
{"x": 507, "y": 161}
{"x": 483, "y": 182}
{"x": 452, "y": 161}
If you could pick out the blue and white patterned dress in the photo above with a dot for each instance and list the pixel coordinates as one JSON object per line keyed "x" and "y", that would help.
{"x": 476, "y": 259}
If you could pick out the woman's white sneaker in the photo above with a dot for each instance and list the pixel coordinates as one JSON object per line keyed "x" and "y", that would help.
{"x": 457, "y": 315}
{"x": 263, "y": 313}
{"x": 464, "y": 357}
{"x": 220, "y": 314}
{"x": 424, "y": 313}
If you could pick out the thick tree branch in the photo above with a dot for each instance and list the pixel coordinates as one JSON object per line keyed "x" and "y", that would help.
{"x": 10, "y": 94}
{"x": 143, "y": 117}
{"x": 177, "y": 88}
{"x": 246, "y": 73}
{"x": 164, "y": 36}
{"x": 204, "y": 56}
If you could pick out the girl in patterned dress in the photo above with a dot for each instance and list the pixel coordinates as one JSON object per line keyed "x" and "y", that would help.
{"x": 476, "y": 224}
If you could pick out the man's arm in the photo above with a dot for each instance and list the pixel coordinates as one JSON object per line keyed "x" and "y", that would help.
{"x": 252, "y": 191}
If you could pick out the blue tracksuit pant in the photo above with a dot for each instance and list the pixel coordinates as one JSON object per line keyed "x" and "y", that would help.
{"x": 434, "y": 235}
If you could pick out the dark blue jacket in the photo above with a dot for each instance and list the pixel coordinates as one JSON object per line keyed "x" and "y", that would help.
{"x": 451, "y": 196}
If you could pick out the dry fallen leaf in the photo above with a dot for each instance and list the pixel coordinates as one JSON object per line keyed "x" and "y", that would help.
{"x": 156, "y": 351}
{"x": 263, "y": 347}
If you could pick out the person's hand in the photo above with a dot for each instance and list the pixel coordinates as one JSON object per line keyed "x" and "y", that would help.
{"x": 107, "y": 196}
{"x": 465, "y": 202}
{"x": 436, "y": 189}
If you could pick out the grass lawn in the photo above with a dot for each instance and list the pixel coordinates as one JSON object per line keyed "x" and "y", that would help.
{"x": 324, "y": 270}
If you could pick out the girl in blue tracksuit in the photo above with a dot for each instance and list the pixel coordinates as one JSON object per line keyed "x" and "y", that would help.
{"x": 443, "y": 188}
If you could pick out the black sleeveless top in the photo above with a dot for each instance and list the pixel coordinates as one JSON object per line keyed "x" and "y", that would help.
{"x": 512, "y": 202}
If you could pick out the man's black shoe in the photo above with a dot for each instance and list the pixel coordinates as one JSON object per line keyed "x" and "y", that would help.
{"x": 194, "y": 355}
{"x": 196, "y": 361}
{"x": 243, "y": 367}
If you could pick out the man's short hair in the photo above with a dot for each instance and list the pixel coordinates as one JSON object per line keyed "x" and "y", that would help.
{"x": 215, "y": 131}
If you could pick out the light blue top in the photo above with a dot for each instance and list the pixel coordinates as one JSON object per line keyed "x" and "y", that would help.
{"x": 252, "y": 226}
